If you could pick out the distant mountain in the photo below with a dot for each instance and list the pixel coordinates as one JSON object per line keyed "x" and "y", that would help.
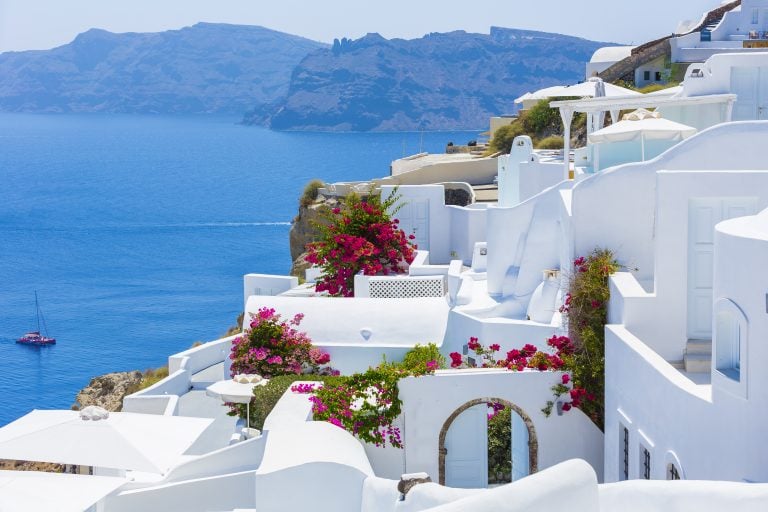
{"x": 454, "y": 80}
{"x": 205, "y": 68}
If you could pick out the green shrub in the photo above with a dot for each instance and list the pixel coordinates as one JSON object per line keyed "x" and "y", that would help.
{"x": 551, "y": 142}
{"x": 500, "y": 447}
{"x": 149, "y": 377}
{"x": 503, "y": 137}
{"x": 655, "y": 87}
{"x": 540, "y": 119}
{"x": 418, "y": 357}
{"x": 310, "y": 192}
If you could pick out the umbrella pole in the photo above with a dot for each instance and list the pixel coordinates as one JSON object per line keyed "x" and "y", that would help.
{"x": 642, "y": 147}
{"x": 248, "y": 416}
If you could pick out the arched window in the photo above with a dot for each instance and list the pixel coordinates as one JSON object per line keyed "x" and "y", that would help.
{"x": 730, "y": 347}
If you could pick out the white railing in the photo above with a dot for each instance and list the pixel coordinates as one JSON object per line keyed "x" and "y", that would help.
{"x": 181, "y": 367}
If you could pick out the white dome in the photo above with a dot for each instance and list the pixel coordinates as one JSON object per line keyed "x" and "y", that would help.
{"x": 611, "y": 53}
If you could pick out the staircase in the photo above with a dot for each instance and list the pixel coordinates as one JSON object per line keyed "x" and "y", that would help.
{"x": 698, "y": 356}
{"x": 711, "y": 25}
{"x": 625, "y": 69}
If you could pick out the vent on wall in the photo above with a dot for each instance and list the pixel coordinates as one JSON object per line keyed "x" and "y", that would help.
{"x": 406, "y": 288}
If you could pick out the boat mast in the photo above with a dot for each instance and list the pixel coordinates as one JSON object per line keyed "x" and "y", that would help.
{"x": 37, "y": 312}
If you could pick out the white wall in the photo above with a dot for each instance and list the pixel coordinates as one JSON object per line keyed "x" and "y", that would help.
{"x": 717, "y": 72}
{"x": 468, "y": 225}
{"x": 707, "y": 431}
{"x": 741, "y": 276}
{"x": 523, "y": 241}
{"x": 224, "y": 492}
{"x": 265, "y": 284}
{"x": 655, "y": 496}
{"x": 477, "y": 171}
{"x": 508, "y": 333}
{"x": 439, "y": 220}
{"x": 537, "y": 176}
{"x": 616, "y": 208}
{"x": 675, "y": 189}
{"x": 428, "y": 402}
{"x": 706, "y": 440}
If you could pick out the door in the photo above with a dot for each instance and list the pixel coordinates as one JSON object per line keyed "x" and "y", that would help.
{"x": 750, "y": 84}
{"x": 466, "y": 444}
{"x": 703, "y": 214}
{"x": 414, "y": 220}
{"x": 521, "y": 463}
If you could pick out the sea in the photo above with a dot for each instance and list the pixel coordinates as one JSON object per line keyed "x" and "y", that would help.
{"x": 136, "y": 230}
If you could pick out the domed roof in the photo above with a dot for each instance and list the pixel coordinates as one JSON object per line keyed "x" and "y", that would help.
{"x": 611, "y": 53}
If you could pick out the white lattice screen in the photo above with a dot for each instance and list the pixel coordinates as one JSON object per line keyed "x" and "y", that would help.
{"x": 383, "y": 288}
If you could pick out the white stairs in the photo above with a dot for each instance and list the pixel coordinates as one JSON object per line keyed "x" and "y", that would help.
{"x": 698, "y": 356}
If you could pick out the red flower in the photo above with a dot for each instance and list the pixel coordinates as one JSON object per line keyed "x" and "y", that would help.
{"x": 495, "y": 347}
{"x": 566, "y": 378}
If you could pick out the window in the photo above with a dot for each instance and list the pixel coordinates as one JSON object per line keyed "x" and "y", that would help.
{"x": 673, "y": 473}
{"x": 658, "y": 76}
{"x": 646, "y": 75}
{"x": 625, "y": 453}
{"x": 755, "y": 16}
{"x": 728, "y": 336}
{"x": 645, "y": 463}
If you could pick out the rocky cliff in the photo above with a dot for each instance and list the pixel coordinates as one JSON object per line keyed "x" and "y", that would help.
{"x": 108, "y": 390}
{"x": 443, "y": 81}
{"x": 205, "y": 68}
{"x": 304, "y": 230}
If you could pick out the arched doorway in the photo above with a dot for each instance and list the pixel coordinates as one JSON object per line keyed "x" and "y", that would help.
{"x": 474, "y": 420}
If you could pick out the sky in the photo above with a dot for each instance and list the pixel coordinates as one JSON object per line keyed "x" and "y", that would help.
{"x": 43, "y": 24}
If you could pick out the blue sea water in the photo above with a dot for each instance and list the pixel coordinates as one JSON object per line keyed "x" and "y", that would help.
{"x": 136, "y": 232}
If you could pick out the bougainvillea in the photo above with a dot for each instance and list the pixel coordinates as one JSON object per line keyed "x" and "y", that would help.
{"x": 270, "y": 347}
{"x": 367, "y": 404}
{"x": 359, "y": 236}
{"x": 586, "y": 310}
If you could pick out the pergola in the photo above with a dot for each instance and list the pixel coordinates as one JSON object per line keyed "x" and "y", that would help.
{"x": 595, "y": 108}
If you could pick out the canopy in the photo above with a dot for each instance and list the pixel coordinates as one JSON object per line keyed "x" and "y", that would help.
{"x": 639, "y": 125}
{"x": 644, "y": 127}
{"x": 33, "y": 491}
{"x": 124, "y": 440}
{"x": 584, "y": 89}
{"x": 232, "y": 391}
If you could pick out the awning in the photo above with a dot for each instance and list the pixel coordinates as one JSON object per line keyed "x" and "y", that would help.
{"x": 32, "y": 491}
{"x": 124, "y": 440}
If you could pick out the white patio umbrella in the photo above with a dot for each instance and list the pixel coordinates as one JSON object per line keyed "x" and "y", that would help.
{"x": 33, "y": 491}
{"x": 641, "y": 125}
{"x": 123, "y": 440}
{"x": 591, "y": 88}
{"x": 238, "y": 390}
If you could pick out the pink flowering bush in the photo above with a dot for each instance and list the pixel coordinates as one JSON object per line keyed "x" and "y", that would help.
{"x": 359, "y": 236}
{"x": 270, "y": 347}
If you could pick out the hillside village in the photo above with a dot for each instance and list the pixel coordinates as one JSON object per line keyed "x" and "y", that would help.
{"x": 583, "y": 332}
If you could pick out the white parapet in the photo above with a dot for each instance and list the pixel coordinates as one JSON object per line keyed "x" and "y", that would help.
{"x": 266, "y": 284}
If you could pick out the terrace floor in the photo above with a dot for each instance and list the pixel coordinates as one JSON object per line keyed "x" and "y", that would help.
{"x": 197, "y": 404}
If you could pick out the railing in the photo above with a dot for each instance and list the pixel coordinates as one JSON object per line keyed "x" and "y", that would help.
{"x": 162, "y": 397}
